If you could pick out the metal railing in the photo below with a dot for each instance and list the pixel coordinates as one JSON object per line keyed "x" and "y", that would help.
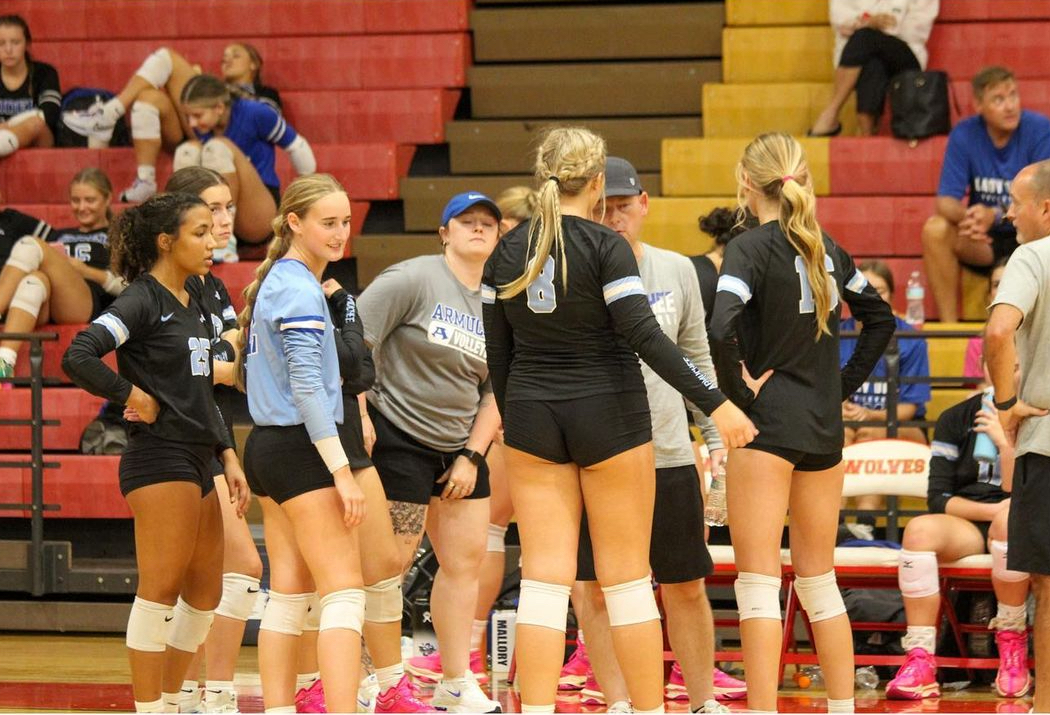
{"x": 36, "y": 463}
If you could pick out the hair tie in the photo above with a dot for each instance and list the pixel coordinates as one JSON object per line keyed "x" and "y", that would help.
{"x": 787, "y": 178}
{"x": 554, "y": 179}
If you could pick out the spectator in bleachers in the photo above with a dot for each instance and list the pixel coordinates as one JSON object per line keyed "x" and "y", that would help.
{"x": 969, "y": 504}
{"x": 984, "y": 153}
{"x": 972, "y": 364}
{"x": 723, "y": 225}
{"x": 516, "y": 204}
{"x": 242, "y": 70}
{"x": 71, "y": 285}
{"x": 30, "y": 97}
{"x": 15, "y": 225}
{"x": 874, "y": 40}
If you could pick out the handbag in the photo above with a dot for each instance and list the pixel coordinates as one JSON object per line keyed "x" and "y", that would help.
{"x": 919, "y": 104}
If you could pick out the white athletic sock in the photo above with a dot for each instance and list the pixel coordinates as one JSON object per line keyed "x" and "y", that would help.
{"x": 305, "y": 680}
{"x": 9, "y": 356}
{"x": 188, "y": 686}
{"x": 537, "y": 708}
{"x": 477, "y": 634}
{"x": 847, "y": 705}
{"x": 153, "y": 706}
{"x": 147, "y": 173}
{"x": 390, "y": 676}
{"x": 8, "y": 142}
{"x": 1007, "y": 618}
{"x": 924, "y": 637}
{"x": 171, "y": 702}
{"x": 113, "y": 110}
{"x": 223, "y": 685}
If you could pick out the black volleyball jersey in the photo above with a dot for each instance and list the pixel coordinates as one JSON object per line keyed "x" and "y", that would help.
{"x": 953, "y": 470}
{"x": 15, "y": 224}
{"x": 356, "y": 367}
{"x": 214, "y": 300}
{"x": 764, "y": 316}
{"x": 164, "y": 348}
{"x": 707, "y": 274}
{"x": 91, "y": 247}
{"x": 550, "y": 342}
{"x": 40, "y": 90}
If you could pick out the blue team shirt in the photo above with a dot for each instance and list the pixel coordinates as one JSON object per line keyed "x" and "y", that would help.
{"x": 914, "y": 362}
{"x": 292, "y": 365}
{"x": 256, "y": 128}
{"x": 972, "y": 162}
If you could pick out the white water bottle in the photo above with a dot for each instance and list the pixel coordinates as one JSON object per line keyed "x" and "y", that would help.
{"x": 715, "y": 512}
{"x": 915, "y": 313}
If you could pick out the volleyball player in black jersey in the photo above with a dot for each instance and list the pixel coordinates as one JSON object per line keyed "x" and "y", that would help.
{"x": 164, "y": 379}
{"x": 777, "y": 311}
{"x": 565, "y": 312}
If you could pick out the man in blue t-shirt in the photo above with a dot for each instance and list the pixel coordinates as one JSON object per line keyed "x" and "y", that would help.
{"x": 984, "y": 153}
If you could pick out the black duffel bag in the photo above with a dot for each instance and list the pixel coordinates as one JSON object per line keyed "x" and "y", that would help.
{"x": 919, "y": 104}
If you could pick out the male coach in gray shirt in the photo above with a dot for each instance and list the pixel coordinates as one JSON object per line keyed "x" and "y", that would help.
{"x": 1019, "y": 329}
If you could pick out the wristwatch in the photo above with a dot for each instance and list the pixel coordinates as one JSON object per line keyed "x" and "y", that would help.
{"x": 473, "y": 457}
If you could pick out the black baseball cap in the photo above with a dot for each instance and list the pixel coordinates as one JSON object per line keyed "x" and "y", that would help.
{"x": 621, "y": 179}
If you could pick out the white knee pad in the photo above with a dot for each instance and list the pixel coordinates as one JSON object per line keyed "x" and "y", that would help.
{"x": 25, "y": 116}
{"x": 497, "y": 543}
{"x": 190, "y": 627}
{"x": 145, "y": 121}
{"x": 186, "y": 154}
{"x": 999, "y": 568}
{"x": 917, "y": 574}
{"x": 8, "y": 142}
{"x": 313, "y": 613}
{"x": 343, "y": 609}
{"x": 26, "y": 255}
{"x": 148, "y": 626}
{"x": 383, "y": 602}
{"x": 631, "y": 602}
{"x": 285, "y": 613}
{"x": 757, "y": 596}
{"x": 820, "y": 596}
{"x": 29, "y": 295}
{"x": 156, "y": 69}
{"x": 239, "y": 594}
{"x": 543, "y": 604}
{"x": 217, "y": 156}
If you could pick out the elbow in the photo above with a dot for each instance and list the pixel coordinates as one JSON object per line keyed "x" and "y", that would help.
{"x": 997, "y": 335}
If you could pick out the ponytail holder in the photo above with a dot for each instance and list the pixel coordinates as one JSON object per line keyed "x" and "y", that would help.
{"x": 554, "y": 179}
{"x": 787, "y": 178}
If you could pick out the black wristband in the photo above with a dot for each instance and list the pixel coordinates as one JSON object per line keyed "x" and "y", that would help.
{"x": 1006, "y": 404}
{"x": 473, "y": 457}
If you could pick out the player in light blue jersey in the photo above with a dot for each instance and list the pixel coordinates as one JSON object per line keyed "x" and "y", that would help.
{"x": 297, "y": 463}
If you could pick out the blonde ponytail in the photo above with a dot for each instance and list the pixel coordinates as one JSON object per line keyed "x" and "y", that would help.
{"x": 300, "y": 195}
{"x": 567, "y": 160}
{"x": 775, "y": 165}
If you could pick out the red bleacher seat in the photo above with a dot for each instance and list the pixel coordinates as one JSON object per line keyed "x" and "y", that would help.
{"x": 876, "y": 225}
{"x": 963, "y": 48}
{"x": 86, "y": 487}
{"x": 984, "y": 10}
{"x": 405, "y": 116}
{"x": 53, "y": 351}
{"x": 367, "y": 171}
{"x": 879, "y": 166}
{"x": 361, "y": 62}
{"x": 115, "y": 19}
{"x": 73, "y": 407}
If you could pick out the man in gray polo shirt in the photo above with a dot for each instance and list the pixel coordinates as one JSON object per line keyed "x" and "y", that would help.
{"x": 678, "y": 554}
{"x": 1019, "y": 330}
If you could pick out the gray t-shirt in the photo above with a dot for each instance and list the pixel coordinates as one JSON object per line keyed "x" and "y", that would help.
{"x": 674, "y": 296}
{"x": 428, "y": 344}
{"x": 1026, "y": 286}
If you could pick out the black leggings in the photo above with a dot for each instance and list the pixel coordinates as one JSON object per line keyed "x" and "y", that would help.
{"x": 880, "y": 57}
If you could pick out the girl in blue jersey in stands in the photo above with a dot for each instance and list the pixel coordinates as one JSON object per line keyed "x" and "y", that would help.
{"x": 295, "y": 456}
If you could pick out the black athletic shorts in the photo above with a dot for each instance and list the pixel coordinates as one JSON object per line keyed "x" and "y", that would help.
{"x": 802, "y": 461}
{"x": 584, "y": 431}
{"x": 1004, "y": 242}
{"x": 100, "y": 299}
{"x": 282, "y": 462}
{"x": 1029, "y": 504}
{"x": 409, "y": 469}
{"x": 275, "y": 192}
{"x": 677, "y": 552}
{"x": 151, "y": 460}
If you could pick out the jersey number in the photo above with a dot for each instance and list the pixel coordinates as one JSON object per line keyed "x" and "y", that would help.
{"x": 805, "y": 304}
{"x": 79, "y": 251}
{"x": 199, "y": 363}
{"x": 541, "y": 291}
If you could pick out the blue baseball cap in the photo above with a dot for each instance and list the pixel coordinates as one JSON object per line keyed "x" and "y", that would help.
{"x": 461, "y": 202}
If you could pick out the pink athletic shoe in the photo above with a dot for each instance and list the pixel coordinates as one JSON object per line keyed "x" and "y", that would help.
{"x": 591, "y": 694}
{"x": 576, "y": 670}
{"x": 916, "y": 679}
{"x": 1013, "y": 679}
{"x": 726, "y": 686}
{"x": 675, "y": 688}
{"x": 311, "y": 700}
{"x": 427, "y": 668}
{"x": 401, "y": 699}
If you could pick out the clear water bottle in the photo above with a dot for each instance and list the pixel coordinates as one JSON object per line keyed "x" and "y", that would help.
{"x": 809, "y": 676}
{"x": 715, "y": 512}
{"x": 915, "y": 313}
{"x": 866, "y": 678}
{"x": 984, "y": 449}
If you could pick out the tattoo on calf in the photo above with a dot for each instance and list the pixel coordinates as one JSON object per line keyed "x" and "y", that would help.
{"x": 408, "y": 518}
